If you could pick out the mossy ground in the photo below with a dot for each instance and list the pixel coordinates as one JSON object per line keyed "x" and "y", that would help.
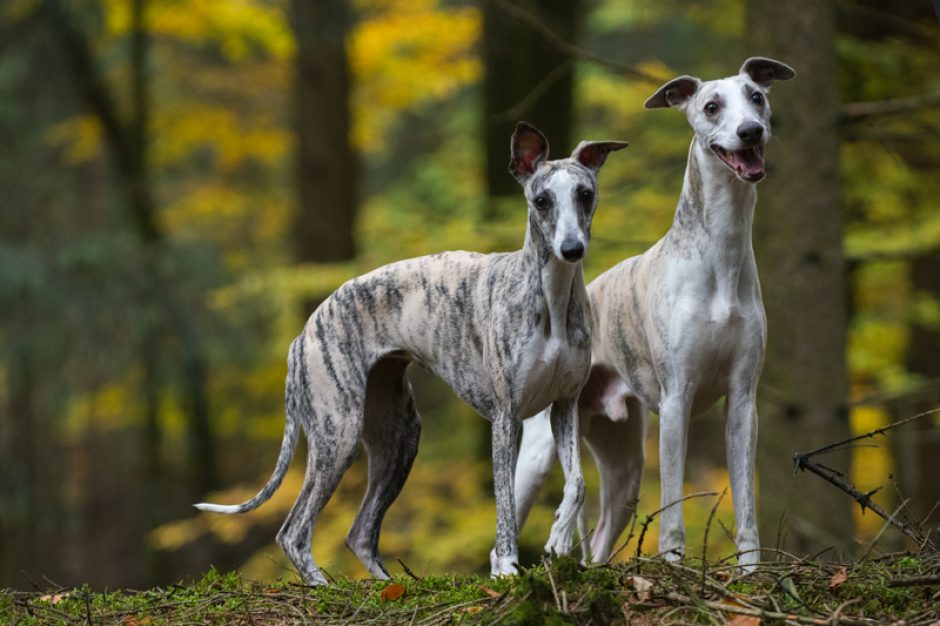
{"x": 642, "y": 591}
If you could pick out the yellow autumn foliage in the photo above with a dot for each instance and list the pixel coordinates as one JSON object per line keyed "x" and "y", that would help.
{"x": 230, "y": 138}
{"x": 79, "y": 138}
{"x": 871, "y": 466}
{"x": 405, "y": 54}
{"x": 237, "y": 26}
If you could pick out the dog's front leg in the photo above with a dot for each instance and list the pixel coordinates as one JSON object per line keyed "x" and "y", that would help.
{"x": 504, "y": 558}
{"x": 673, "y": 438}
{"x": 741, "y": 449}
{"x": 567, "y": 443}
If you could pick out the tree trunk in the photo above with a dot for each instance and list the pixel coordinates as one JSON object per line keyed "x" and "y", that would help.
{"x": 527, "y": 77}
{"x": 798, "y": 233}
{"x": 127, "y": 145}
{"x": 921, "y": 458}
{"x": 327, "y": 166}
{"x": 19, "y": 467}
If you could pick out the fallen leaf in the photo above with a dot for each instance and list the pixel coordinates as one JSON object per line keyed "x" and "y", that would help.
{"x": 743, "y": 620}
{"x": 837, "y": 579}
{"x": 130, "y": 620}
{"x": 490, "y": 592}
{"x": 472, "y": 609}
{"x": 55, "y": 598}
{"x": 642, "y": 587}
{"x": 393, "y": 592}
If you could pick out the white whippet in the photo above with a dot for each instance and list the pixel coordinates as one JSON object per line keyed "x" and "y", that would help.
{"x": 510, "y": 333}
{"x": 681, "y": 325}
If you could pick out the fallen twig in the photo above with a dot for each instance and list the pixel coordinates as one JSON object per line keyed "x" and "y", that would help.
{"x": 914, "y": 582}
{"x": 408, "y": 570}
{"x": 708, "y": 526}
{"x": 649, "y": 518}
{"x": 765, "y": 614}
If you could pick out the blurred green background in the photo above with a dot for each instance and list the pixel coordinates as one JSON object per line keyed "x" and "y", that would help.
{"x": 181, "y": 183}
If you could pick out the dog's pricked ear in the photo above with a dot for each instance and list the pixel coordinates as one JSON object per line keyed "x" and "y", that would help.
{"x": 529, "y": 148}
{"x": 764, "y": 71}
{"x": 674, "y": 93}
{"x": 593, "y": 154}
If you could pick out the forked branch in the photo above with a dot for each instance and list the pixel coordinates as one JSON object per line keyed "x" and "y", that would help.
{"x": 804, "y": 461}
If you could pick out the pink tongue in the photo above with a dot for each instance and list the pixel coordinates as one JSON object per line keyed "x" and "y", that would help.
{"x": 750, "y": 160}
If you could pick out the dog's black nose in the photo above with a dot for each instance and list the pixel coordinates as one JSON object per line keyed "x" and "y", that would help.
{"x": 750, "y": 133}
{"x": 572, "y": 250}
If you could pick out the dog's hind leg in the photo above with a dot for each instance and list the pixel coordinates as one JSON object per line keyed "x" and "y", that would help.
{"x": 536, "y": 456}
{"x": 332, "y": 443}
{"x": 391, "y": 431}
{"x": 617, "y": 447}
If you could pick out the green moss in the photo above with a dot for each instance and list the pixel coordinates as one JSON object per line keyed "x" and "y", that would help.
{"x": 565, "y": 569}
{"x": 603, "y": 606}
{"x": 593, "y": 595}
{"x": 526, "y": 614}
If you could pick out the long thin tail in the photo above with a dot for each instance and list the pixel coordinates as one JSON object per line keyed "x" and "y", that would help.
{"x": 296, "y": 402}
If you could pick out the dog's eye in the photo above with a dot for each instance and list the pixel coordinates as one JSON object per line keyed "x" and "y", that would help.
{"x": 711, "y": 108}
{"x": 757, "y": 98}
{"x": 586, "y": 196}
{"x": 540, "y": 202}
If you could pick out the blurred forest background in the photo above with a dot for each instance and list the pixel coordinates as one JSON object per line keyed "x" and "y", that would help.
{"x": 182, "y": 181}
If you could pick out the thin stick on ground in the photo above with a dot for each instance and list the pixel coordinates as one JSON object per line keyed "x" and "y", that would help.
{"x": 708, "y": 526}
{"x": 649, "y": 518}
{"x": 408, "y": 570}
{"x": 630, "y": 534}
{"x": 884, "y": 527}
{"x": 551, "y": 579}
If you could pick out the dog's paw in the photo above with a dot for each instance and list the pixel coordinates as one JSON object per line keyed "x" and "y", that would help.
{"x": 674, "y": 555}
{"x": 559, "y": 541}
{"x": 503, "y": 566}
{"x": 315, "y": 578}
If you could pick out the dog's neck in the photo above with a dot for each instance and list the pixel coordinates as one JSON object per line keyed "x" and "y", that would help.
{"x": 715, "y": 213}
{"x": 553, "y": 281}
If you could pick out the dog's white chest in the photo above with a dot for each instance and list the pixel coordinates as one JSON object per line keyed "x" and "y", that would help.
{"x": 552, "y": 369}
{"x": 724, "y": 313}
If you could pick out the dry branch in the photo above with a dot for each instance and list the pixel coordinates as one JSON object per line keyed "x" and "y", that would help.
{"x": 803, "y": 461}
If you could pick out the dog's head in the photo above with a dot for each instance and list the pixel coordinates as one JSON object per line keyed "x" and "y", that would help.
{"x": 731, "y": 116}
{"x": 561, "y": 194}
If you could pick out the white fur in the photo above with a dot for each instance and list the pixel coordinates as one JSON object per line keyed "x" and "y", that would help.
{"x": 679, "y": 326}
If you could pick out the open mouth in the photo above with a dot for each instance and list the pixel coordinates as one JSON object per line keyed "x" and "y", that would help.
{"x": 747, "y": 163}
